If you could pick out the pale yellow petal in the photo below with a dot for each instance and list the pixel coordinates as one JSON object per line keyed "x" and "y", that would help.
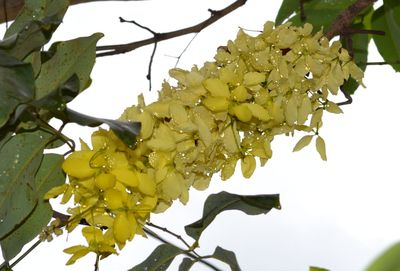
{"x": 248, "y": 165}
{"x": 216, "y": 87}
{"x": 320, "y": 145}
{"x": 303, "y": 142}
{"x": 126, "y": 176}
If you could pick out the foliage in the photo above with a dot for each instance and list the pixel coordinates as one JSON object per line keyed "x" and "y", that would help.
{"x": 258, "y": 87}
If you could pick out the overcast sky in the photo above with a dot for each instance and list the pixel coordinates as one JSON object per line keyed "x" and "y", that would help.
{"x": 337, "y": 214}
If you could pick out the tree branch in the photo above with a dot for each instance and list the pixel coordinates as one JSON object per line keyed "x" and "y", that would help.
{"x": 345, "y": 18}
{"x": 108, "y": 50}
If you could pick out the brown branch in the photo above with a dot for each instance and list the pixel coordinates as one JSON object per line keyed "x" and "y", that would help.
{"x": 148, "y": 76}
{"x": 345, "y": 18}
{"x": 14, "y": 6}
{"x": 108, "y": 50}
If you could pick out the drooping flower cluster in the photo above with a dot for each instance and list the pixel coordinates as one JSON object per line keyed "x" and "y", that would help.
{"x": 228, "y": 110}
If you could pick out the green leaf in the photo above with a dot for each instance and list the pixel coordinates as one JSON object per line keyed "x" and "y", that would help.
{"x": 38, "y": 10}
{"x": 287, "y": 8}
{"x": 31, "y": 38}
{"x": 5, "y": 135}
{"x": 17, "y": 85}
{"x": 186, "y": 264}
{"x": 224, "y": 201}
{"x": 71, "y": 57}
{"x": 159, "y": 259}
{"x": 56, "y": 100}
{"x": 388, "y": 260}
{"x": 5, "y": 267}
{"x": 227, "y": 257}
{"x": 314, "y": 268}
{"x": 320, "y": 13}
{"x": 34, "y": 26}
{"x": 126, "y": 131}
{"x": 20, "y": 159}
{"x": 387, "y": 18}
{"x": 48, "y": 176}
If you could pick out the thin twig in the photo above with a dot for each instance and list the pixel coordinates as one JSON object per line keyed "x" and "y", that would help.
{"x": 351, "y": 31}
{"x": 188, "y": 253}
{"x": 96, "y": 263}
{"x": 302, "y": 12}
{"x": 348, "y": 97}
{"x": 379, "y": 63}
{"x": 345, "y": 18}
{"x": 184, "y": 50}
{"x": 20, "y": 258}
{"x": 177, "y": 236}
{"x": 109, "y": 50}
{"x": 5, "y": 12}
{"x": 148, "y": 76}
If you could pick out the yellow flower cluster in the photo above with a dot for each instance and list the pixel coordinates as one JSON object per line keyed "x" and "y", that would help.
{"x": 228, "y": 110}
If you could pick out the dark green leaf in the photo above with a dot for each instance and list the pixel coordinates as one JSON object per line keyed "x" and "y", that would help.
{"x": 70, "y": 57}
{"x": 287, "y": 8}
{"x": 5, "y": 135}
{"x": 320, "y": 13}
{"x": 387, "y": 18}
{"x": 49, "y": 175}
{"x": 223, "y": 201}
{"x": 314, "y": 268}
{"x": 186, "y": 264}
{"x": 35, "y": 60}
{"x": 17, "y": 85}
{"x": 388, "y": 260}
{"x": 5, "y": 267}
{"x": 20, "y": 159}
{"x": 227, "y": 257}
{"x": 38, "y": 10}
{"x": 31, "y": 38}
{"x": 56, "y": 100}
{"x": 126, "y": 131}
{"x": 159, "y": 259}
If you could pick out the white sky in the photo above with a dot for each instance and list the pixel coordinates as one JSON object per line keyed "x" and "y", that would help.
{"x": 337, "y": 214}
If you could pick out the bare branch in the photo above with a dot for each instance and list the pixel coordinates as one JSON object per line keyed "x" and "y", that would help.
{"x": 122, "y": 20}
{"x": 345, "y": 18}
{"x": 108, "y": 50}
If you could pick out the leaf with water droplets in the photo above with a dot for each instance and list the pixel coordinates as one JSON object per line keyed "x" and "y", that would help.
{"x": 71, "y": 57}
{"x": 159, "y": 259}
{"x": 35, "y": 10}
{"x": 49, "y": 175}
{"x": 224, "y": 201}
{"x": 17, "y": 85}
{"x": 20, "y": 159}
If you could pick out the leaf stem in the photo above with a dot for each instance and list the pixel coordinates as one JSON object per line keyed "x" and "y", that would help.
{"x": 177, "y": 236}
{"x": 188, "y": 253}
{"x": 20, "y": 258}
